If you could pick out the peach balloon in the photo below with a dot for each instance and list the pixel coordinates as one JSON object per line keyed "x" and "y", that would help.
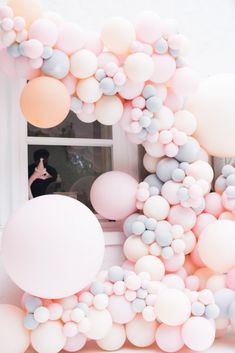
{"x": 88, "y": 90}
{"x": 164, "y": 68}
{"x": 169, "y": 338}
{"x": 203, "y": 274}
{"x": 152, "y": 265}
{"x": 114, "y": 340}
{"x": 139, "y": 67}
{"x": 213, "y": 100}
{"x": 109, "y": 110}
{"x": 45, "y": 102}
{"x": 14, "y": 338}
{"x": 217, "y": 239}
{"x": 134, "y": 248}
{"x": 31, "y": 10}
{"x": 140, "y": 332}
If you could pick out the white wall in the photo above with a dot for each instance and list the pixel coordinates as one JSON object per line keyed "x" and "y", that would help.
{"x": 209, "y": 24}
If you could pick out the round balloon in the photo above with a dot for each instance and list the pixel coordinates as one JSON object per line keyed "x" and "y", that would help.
{"x": 14, "y": 338}
{"x": 114, "y": 340}
{"x": 45, "y": 31}
{"x": 213, "y": 106}
{"x": 55, "y": 235}
{"x": 88, "y": 90}
{"x": 113, "y": 195}
{"x": 57, "y": 65}
{"x": 198, "y": 334}
{"x": 30, "y": 10}
{"x": 48, "y": 337}
{"x": 140, "y": 332}
{"x": 109, "y": 110}
{"x": 216, "y": 239}
{"x": 101, "y": 323}
{"x": 45, "y": 102}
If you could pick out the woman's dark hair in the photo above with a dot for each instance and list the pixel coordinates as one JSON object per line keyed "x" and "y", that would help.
{"x": 41, "y": 153}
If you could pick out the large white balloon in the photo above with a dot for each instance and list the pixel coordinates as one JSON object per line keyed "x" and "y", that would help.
{"x": 213, "y": 105}
{"x": 115, "y": 338}
{"x": 109, "y": 110}
{"x": 140, "y": 332}
{"x": 48, "y": 337}
{"x": 101, "y": 323}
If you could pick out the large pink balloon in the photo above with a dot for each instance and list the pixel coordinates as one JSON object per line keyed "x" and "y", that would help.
{"x": 71, "y": 38}
{"x": 53, "y": 246}
{"x": 113, "y": 195}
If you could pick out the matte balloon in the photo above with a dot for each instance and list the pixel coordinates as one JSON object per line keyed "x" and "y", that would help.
{"x": 88, "y": 90}
{"x": 109, "y": 110}
{"x": 14, "y": 338}
{"x": 139, "y": 67}
{"x": 152, "y": 265}
{"x": 198, "y": 334}
{"x": 131, "y": 90}
{"x": 30, "y": 10}
{"x": 42, "y": 108}
{"x": 70, "y": 83}
{"x": 57, "y": 65}
{"x": 113, "y": 195}
{"x": 101, "y": 323}
{"x": 164, "y": 68}
{"x": 185, "y": 81}
{"x": 216, "y": 239}
{"x": 25, "y": 70}
{"x": 169, "y": 338}
{"x": 71, "y": 38}
{"x": 134, "y": 248}
{"x": 76, "y": 343}
{"x": 114, "y": 340}
{"x": 45, "y": 31}
{"x": 213, "y": 99}
{"x": 117, "y": 35}
{"x": 83, "y": 63}
{"x": 148, "y": 27}
{"x": 140, "y": 332}
{"x": 48, "y": 337}
{"x": 156, "y": 207}
{"x": 94, "y": 43}
{"x": 120, "y": 309}
{"x": 62, "y": 231}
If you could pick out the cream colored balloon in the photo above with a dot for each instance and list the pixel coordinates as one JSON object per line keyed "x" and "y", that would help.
{"x": 101, "y": 323}
{"x": 109, "y": 110}
{"x": 150, "y": 163}
{"x": 185, "y": 121}
{"x": 48, "y": 337}
{"x": 152, "y": 265}
{"x": 140, "y": 332}
{"x": 83, "y": 64}
{"x": 115, "y": 338}
{"x": 139, "y": 67}
{"x": 88, "y": 90}
{"x": 156, "y": 207}
{"x": 154, "y": 149}
{"x": 213, "y": 106}
{"x": 134, "y": 248}
{"x": 172, "y": 307}
{"x": 117, "y": 35}
{"x": 216, "y": 245}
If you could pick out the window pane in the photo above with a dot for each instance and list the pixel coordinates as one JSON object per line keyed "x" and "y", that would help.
{"x": 68, "y": 170}
{"x": 74, "y": 128}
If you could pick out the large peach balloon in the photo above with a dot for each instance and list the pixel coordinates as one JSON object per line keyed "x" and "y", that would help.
{"x": 53, "y": 246}
{"x": 14, "y": 338}
{"x": 216, "y": 245}
{"x": 31, "y": 10}
{"x": 213, "y": 105}
{"x": 45, "y": 102}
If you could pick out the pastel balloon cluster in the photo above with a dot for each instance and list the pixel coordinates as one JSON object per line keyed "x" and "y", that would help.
{"x": 225, "y": 186}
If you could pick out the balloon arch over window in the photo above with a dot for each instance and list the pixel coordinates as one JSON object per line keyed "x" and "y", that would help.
{"x": 177, "y": 286}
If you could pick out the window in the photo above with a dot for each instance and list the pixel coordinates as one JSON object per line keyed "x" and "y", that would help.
{"x": 78, "y": 154}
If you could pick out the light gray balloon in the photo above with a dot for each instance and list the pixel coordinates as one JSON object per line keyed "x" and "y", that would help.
{"x": 138, "y": 305}
{"x": 212, "y": 311}
{"x": 100, "y": 75}
{"x": 230, "y": 181}
{"x": 165, "y": 168}
{"x": 178, "y": 175}
{"x": 97, "y": 287}
{"x": 151, "y": 224}
{"x": 107, "y": 86}
{"x": 14, "y": 50}
{"x": 149, "y": 91}
{"x": 167, "y": 253}
{"x": 227, "y": 170}
{"x": 148, "y": 237}
{"x": 116, "y": 273}
{"x": 57, "y": 66}
{"x": 76, "y": 105}
{"x": 189, "y": 151}
{"x": 153, "y": 180}
{"x": 224, "y": 298}
{"x": 220, "y": 183}
{"x": 164, "y": 238}
{"x": 230, "y": 191}
{"x": 161, "y": 46}
{"x": 47, "y": 53}
{"x": 142, "y": 293}
{"x": 198, "y": 309}
{"x": 138, "y": 228}
{"x": 154, "y": 104}
{"x": 127, "y": 225}
{"x": 154, "y": 125}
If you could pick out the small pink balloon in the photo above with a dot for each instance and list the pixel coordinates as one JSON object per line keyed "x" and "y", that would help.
{"x": 75, "y": 344}
{"x": 94, "y": 43}
{"x": 214, "y": 204}
{"x": 45, "y": 31}
{"x": 185, "y": 217}
{"x": 113, "y": 195}
{"x": 131, "y": 90}
{"x": 230, "y": 279}
{"x": 148, "y": 27}
{"x": 105, "y": 58}
{"x": 169, "y": 192}
{"x": 32, "y": 48}
{"x": 175, "y": 263}
{"x": 71, "y": 38}
{"x": 165, "y": 67}
{"x": 174, "y": 101}
{"x": 70, "y": 83}
{"x": 203, "y": 220}
{"x": 169, "y": 338}
{"x": 120, "y": 310}
{"x": 198, "y": 333}
{"x": 185, "y": 81}
{"x": 25, "y": 70}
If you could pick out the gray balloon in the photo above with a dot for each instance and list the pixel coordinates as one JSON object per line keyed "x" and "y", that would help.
{"x": 153, "y": 180}
{"x": 165, "y": 168}
{"x": 223, "y": 298}
{"x": 189, "y": 151}
{"x": 57, "y": 65}
{"x": 127, "y": 225}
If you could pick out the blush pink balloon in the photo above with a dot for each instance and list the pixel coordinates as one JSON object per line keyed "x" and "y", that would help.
{"x": 198, "y": 333}
{"x": 214, "y": 204}
{"x": 148, "y": 27}
{"x": 230, "y": 279}
{"x": 70, "y": 83}
{"x": 7, "y": 63}
{"x": 25, "y": 70}
{"x": 45, "y": 31}
{"x": 32, "y": 48}
{"x": 71, "y": 38}
{"x": 186, "y": 217}
{"x": 185, "y": 81}
{"x": 131, "y": 90}
{"x": 94, "y": 43}
{"x": 105, "y": 58}
{"x": 113, "y": 195}
{"x": 203, "y": 220}
{"x": 174, "y": 101}
{"x": 195, "y": 257}
{"x": 74, "y": 344}
{"x": 164, "y": 68}
{"x": 120, "y": 310}
{"x": 56, "y": 236}
{"x": 169, "y": 338}
{"x": 175, "y": 263}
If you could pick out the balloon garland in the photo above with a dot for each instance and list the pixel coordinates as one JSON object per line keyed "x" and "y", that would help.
{"x": 177, "y": 286}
